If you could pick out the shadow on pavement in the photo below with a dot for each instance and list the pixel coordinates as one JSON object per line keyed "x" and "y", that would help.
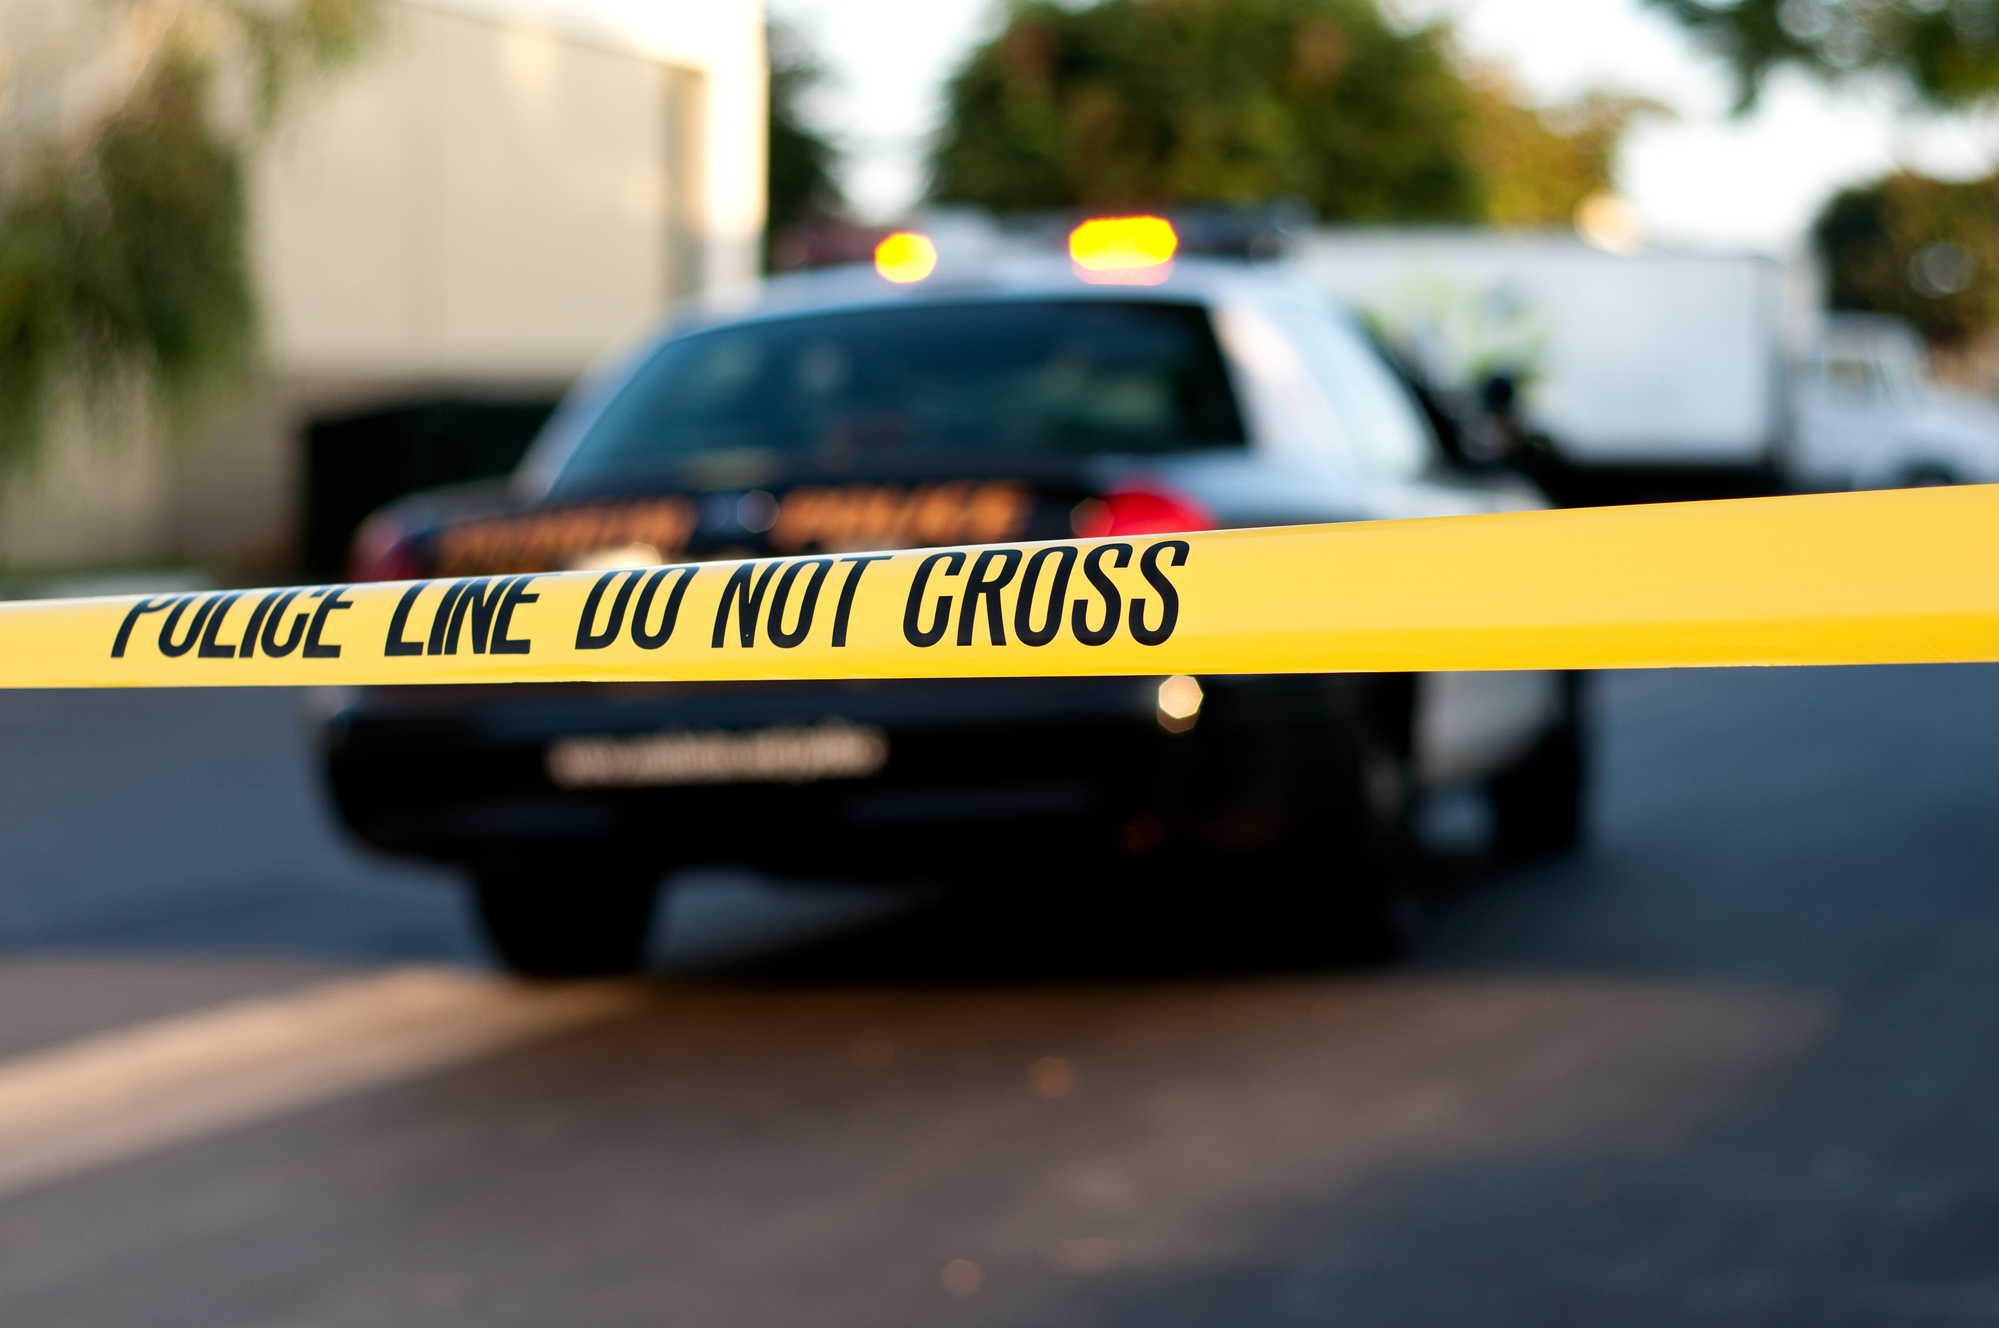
{"x": 1228, "y": 922}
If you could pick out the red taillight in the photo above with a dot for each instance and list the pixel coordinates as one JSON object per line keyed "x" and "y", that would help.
{"x": 1141, "y": 511}
{"x": 382, "y": 551}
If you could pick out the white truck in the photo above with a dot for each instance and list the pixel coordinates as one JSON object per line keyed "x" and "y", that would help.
{"x": 1869, "y": 415}
{"x": 1672, "y": 371}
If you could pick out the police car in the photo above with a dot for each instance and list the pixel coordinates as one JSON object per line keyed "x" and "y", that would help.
{"x": 1120, "y": 390}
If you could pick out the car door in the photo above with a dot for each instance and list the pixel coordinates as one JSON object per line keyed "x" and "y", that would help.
{"x": 1847, "y": 414}
{"x": 1466, "y": 725}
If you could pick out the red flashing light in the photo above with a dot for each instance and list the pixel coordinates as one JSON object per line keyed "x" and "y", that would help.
{"x": 1141, "y": 511}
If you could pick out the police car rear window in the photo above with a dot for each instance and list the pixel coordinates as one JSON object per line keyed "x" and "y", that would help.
{"x": 1055, "y": 377}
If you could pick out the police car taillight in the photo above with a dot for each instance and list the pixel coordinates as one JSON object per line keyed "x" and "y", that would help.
{"x": 1148, "y": 510}
{"x": 384, "y": 551}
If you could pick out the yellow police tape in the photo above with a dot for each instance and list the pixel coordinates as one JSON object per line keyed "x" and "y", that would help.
{"x": 1896, "y": 577}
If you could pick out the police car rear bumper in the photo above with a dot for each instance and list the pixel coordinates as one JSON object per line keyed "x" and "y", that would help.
{"x": 930, "y": 778}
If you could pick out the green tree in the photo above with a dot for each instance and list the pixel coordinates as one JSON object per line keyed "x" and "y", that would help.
{"x": 1537, "y": 166}
{"x": 1947, "y": 51}
{"x": 1925, "y": 250}
{"x": 802, "y": 184}
{"x": 1128, "y": 103}
{"x": 1133, "y": 102}
{"x": 124, "y": 253}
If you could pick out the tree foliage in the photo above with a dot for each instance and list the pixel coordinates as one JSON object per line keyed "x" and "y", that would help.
{"x": 1151, "y": 102}
{"x": 1538, "y": 165}
{"x": 1947, "y": 51}
{"x": 1145, "y": 101}
{"x": 124, "y": 248}
{"x": 803, "y": 160}
{"x": 1925, "y": 250}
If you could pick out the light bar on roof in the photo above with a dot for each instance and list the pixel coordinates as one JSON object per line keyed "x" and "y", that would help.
{"x": 1124, "y": 250}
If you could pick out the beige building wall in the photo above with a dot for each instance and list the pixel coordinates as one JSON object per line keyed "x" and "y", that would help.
{"x": 492, "y": 199}
{"x": 92, "y": 501}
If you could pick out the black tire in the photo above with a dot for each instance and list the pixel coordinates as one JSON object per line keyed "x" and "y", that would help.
{"x": 1347, "y": 869}
{"x": 1376, "y": 912}
{"x": 1539, "y": 804}
{"x": 546, "y": 923}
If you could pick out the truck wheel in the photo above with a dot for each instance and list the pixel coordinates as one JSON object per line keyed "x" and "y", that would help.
{"x": 553, "y": 923}
{"x": 1538, "y": 804}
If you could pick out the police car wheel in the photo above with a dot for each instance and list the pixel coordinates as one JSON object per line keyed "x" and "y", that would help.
{"x": 1538, "y": 804}
{"x": 564, "y": 924}
{"x": 1352, "y": 870}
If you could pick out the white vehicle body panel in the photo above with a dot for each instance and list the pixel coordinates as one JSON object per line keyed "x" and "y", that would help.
{"x": 1869, "y": 416}
{"x": 1645, "y": 359}
{"x": 1470, "y": 724}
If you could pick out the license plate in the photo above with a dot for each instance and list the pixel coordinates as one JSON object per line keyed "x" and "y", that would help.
{"x": 789, "y": 754}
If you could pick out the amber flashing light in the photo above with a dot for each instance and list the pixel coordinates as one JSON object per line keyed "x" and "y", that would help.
{"x": 1124, "y": 250}
{"x": 906, "y": 257}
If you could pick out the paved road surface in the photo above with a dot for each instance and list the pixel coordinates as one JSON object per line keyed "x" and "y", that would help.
{"x": 1736, "y": 1064}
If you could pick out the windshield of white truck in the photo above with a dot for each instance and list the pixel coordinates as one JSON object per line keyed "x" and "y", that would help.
{"x": 1053, "y": 377}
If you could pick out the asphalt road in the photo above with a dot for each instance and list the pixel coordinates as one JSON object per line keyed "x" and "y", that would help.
{"x": 1734, "y": 1064}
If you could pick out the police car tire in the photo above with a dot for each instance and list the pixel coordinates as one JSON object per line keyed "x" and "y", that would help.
{"x": 1357, "y": 885}
{"x": 550, "y": 924}
{"x": 1538, "y": 805}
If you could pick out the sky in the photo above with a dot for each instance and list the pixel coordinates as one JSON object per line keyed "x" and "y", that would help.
{"x": 1704, "y": 180}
